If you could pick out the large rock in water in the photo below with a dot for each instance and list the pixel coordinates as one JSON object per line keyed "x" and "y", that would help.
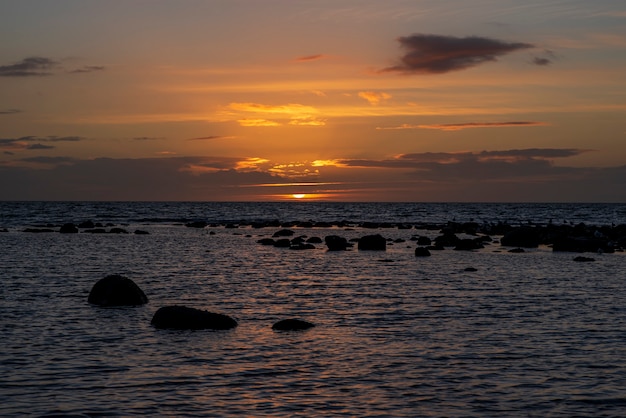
{"x": 116, "y": 290}
{"x": 336, "y": 243}
{"x": 182, "y": 317}
{"x": 373, "y": 243}
{"x": 292, "y": 325}
{"x": 521, "y": 237}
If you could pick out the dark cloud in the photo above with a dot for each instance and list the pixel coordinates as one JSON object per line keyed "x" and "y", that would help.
{"x": 470, "y": 164}
{"x": 87, "y": 69}
{"x": 10, "y": 111}
{"x": 28, "y": 67}
{"x": 146, "y": 138}
{"x": 544, "y": 59}
{"x": 208, "y": 138}
{"x": 41, "y": 66}
{"x": 179, "y": 178}
{"x": 310, "y": 58}
{"x": 39, "y": 146}
{"x": 437, "y": 54}
{"x": 26, "y": 142}
{"x": 461, "y": 126}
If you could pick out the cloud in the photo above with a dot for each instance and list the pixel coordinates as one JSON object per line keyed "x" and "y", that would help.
{"x": 28, "y": 67}
{"x": 25, "y": 142}
{"x": 257, "y": 122}
{"x": 374, "y": 98}
{"x": 461, "y": 126}
{"x": 10, "y": 111}
{"x": 297, "y": 113}
{"x": 41, "y": 66}
{"x": 438, "y": 54}
{"x": 87, "y": 69}
{"x": 210, "y": 138}
{"x": 39, "y": 146}
{"x": 308, "y": 58}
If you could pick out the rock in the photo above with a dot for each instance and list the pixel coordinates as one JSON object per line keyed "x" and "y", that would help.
{"x": 336, "y": 243}
{"x": 266, "y": 241}
{"x": 372, "y": 243}
{"x": 583, "y": 244}
{"x": 96, "y": 231}
{"x": 292, "y": 325}
{"x": 447, "y": 240}
{"x": 584, "y": 259}
{"x": 314, "y": 240}
{"x": 468, "y": 244}
{"x": 68, "y": 228}
{"x": 283, "y": 233}
{"x": 116, "y": 290}
{"x": 197, "y": 224}
{"x": 282, "y": 243}
{"x": 422, "y": 252}
{"x": 141, "y": 232}
{"x": 521, "y": 237}
{"x": 86, "y": 225}
{"x": 470, "y": 269}
{"x": 182, "y": 317}
{"x": 424, "y": 241}
{"x": 118, "y": 231}
{"x": 517, "y": 250}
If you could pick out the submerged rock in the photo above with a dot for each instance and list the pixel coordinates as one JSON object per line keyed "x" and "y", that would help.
{"x": 182, "y": 317}
{"x": 584, "y": 259}
{"x": 292, "y": 325}
{"x": 422, "y": 252}
{"x": 116, "y": 290}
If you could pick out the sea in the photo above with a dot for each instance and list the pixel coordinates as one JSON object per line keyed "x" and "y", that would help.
{"x": 483, "y": 333}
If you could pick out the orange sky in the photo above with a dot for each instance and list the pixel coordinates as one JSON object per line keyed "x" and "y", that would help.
{"x": 346, "y": 100}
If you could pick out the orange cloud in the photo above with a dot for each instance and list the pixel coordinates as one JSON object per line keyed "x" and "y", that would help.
{"x": 308, "y": 58}
{"x": 469, "y": 125}
{"x": 374, "y": 98}
{"x": 257, "y": 122}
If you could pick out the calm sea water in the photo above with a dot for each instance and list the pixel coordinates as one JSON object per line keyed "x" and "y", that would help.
{"x": 531, "y": 334}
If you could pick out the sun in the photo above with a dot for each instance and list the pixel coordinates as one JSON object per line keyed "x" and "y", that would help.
{"x": 298, "y": 195}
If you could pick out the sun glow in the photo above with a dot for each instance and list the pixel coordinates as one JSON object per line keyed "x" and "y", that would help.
{"x": 298, "y": 195}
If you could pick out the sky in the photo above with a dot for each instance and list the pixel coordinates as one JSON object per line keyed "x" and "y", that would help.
{"x": 333, "y": 100}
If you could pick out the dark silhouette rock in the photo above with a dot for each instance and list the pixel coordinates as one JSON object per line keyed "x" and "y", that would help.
{"x": 86, "y": 225}
{"x": 141, "y": 232}
{"x": 447, "y": 240}
{"x": 118, "y": 231}
{"x": 314, "y": 240}
{"x": 582, "y": 245}
{"x": 336, "y": 243}
{"x": 470, "y": 269}
{"x": 282, "y": 243}
{"x": 266, "y": 241}
{"x": 283, "y": 233}
{"x": 424, "y": 241}
{"x": 468, "y": 244}
{"x": 292, "y": 325}
{"x": 197, "y": 224}
{"x": 584, "y": 259}
{"x": 372, "y": 243}
{"x": 422, "y": 252}
{"x": 182, "y": 317}
{"x": 521, "y": 237}
{"x": 517, "y": 250}
{"x": 116, "y": 290}
{"x": 68, "y": 228}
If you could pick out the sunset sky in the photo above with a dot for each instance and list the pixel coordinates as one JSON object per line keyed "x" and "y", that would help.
{"x": 344, "y": 100}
